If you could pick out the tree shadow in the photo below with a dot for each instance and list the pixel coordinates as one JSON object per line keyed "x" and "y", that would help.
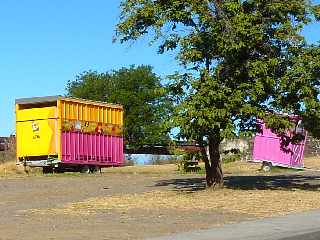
{"x": 183, "y": 184}
{"x": 273, "y": 182}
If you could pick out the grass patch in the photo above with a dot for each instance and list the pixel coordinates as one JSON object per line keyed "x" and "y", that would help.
{"x": 258, "y": 203}
{"x": 312, "y": 162}
{"x": 277, "y": 169}
{"x": 11, "y": 169}
{"x": 239, "y": 168}
{"x": 144, "y": 169}
{"x": 229, "y": 168}
{"x": 66, "y": 174}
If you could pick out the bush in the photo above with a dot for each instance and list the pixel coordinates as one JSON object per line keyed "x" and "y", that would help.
{"x": 129, "y": 162}
{"x": 158, "y": 160}
{"x": 231, "y": 158}
{"x": 6, "y": 156}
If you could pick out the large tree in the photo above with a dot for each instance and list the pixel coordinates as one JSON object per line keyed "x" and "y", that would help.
{"x": 245, "y": 60}
{"x": 141, "y": 93}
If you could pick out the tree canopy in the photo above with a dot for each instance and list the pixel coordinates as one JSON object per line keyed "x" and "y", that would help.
{"x": 141, "y": 93}
{"x": 245, "y": 60}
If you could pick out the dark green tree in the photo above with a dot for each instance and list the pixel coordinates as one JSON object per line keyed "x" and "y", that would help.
{"x": 140, "y": 92}
{"x": 245, "y": 60}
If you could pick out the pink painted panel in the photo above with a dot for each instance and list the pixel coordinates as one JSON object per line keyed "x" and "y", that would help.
{"x": 92, "y": 149}
{"x": 267, "y": 147}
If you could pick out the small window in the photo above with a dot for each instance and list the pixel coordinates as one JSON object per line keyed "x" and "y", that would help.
{"x": 37, "y": 105}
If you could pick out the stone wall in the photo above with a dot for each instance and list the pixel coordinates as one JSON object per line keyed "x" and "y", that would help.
{"x": 243, "y": 146}
{"x": 312, "y": 147}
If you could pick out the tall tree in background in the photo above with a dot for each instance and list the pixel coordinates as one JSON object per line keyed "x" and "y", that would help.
{"x": 141, "y": 93}
{"x": 247, "y": 60}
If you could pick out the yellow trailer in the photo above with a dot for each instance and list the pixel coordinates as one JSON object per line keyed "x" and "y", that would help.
{"x": 57, "y": 130}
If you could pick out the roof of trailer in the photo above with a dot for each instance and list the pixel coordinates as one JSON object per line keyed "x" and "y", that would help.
{"x": 34, "y": 100}
{"x": 48, "y": 99}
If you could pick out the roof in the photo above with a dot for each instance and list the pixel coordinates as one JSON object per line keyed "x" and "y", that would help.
{"x": 34, "y": 100}
{"x": 49, "y": 99}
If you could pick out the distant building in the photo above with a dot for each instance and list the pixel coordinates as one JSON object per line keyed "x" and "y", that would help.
{"x": 7, "y": 143}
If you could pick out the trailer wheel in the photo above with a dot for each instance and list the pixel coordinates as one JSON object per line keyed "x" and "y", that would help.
{"x": 85, "y": 169}
{"x": 47, "y": 170}
{"x": 94, "y": 169}
{"x": 59, "y": 170}
{"x": 266, "y": 166}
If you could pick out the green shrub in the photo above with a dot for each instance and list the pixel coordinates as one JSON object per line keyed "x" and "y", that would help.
{"x": 231, "y": 158}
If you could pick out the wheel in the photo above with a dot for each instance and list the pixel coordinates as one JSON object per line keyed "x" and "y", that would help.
{"x": 94, "y": 169}
{"x": 85, "y": 169}
{"x": 59, "y": 170}
{"x": 266, "y": 166}
{"x": 46, "y": 170}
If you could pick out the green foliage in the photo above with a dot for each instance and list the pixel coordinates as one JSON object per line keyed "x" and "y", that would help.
{"x": 231, "y": 158}
{"x": 141, "y": 93}
{"x": 158, "y": 160}
{"x": 250, "y": 57}
{"x": 245, "y": 60}
{"x": 189, "y": 162}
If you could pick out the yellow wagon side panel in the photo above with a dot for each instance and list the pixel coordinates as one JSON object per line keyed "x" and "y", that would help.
{"x": 90, "y": 112}
{"x": 37, "y": 138}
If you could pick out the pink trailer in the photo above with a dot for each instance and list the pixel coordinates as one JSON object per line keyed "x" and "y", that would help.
{"x": 267, "y": 149}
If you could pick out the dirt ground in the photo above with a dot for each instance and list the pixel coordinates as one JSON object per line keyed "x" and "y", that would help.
{"x": 136, "y": 205}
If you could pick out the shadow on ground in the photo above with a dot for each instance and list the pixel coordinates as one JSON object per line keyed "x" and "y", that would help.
{"x": 275, "y": 182}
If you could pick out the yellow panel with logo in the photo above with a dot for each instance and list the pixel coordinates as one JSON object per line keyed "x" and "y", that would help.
{"x": 37, "y": 113}
{"x": 37, "y": 131}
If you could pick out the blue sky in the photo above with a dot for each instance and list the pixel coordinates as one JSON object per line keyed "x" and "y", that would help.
{"x": 45, "y": 43}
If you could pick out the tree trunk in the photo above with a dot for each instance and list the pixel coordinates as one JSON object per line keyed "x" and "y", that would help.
{"x": 214, "y": 174}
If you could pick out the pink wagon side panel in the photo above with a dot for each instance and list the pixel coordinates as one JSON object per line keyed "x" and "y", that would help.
{"x": 267, "y": 147}
{"x": 92, "y": 149}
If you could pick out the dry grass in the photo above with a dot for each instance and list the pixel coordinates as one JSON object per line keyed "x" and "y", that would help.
{"x": 238, "y": 168}
{"x": 229, "y": 168}
{"x": 312, "y": 162}
{"x": 145, "y": 169}
{"x": 258, "y": 203}
{"x": 6, "y": 156}
{"x": 241, "y": 168}
{"x": 11, "y": 169}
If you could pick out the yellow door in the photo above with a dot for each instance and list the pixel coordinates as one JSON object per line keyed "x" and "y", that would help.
{"x": 37, "y": 138}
